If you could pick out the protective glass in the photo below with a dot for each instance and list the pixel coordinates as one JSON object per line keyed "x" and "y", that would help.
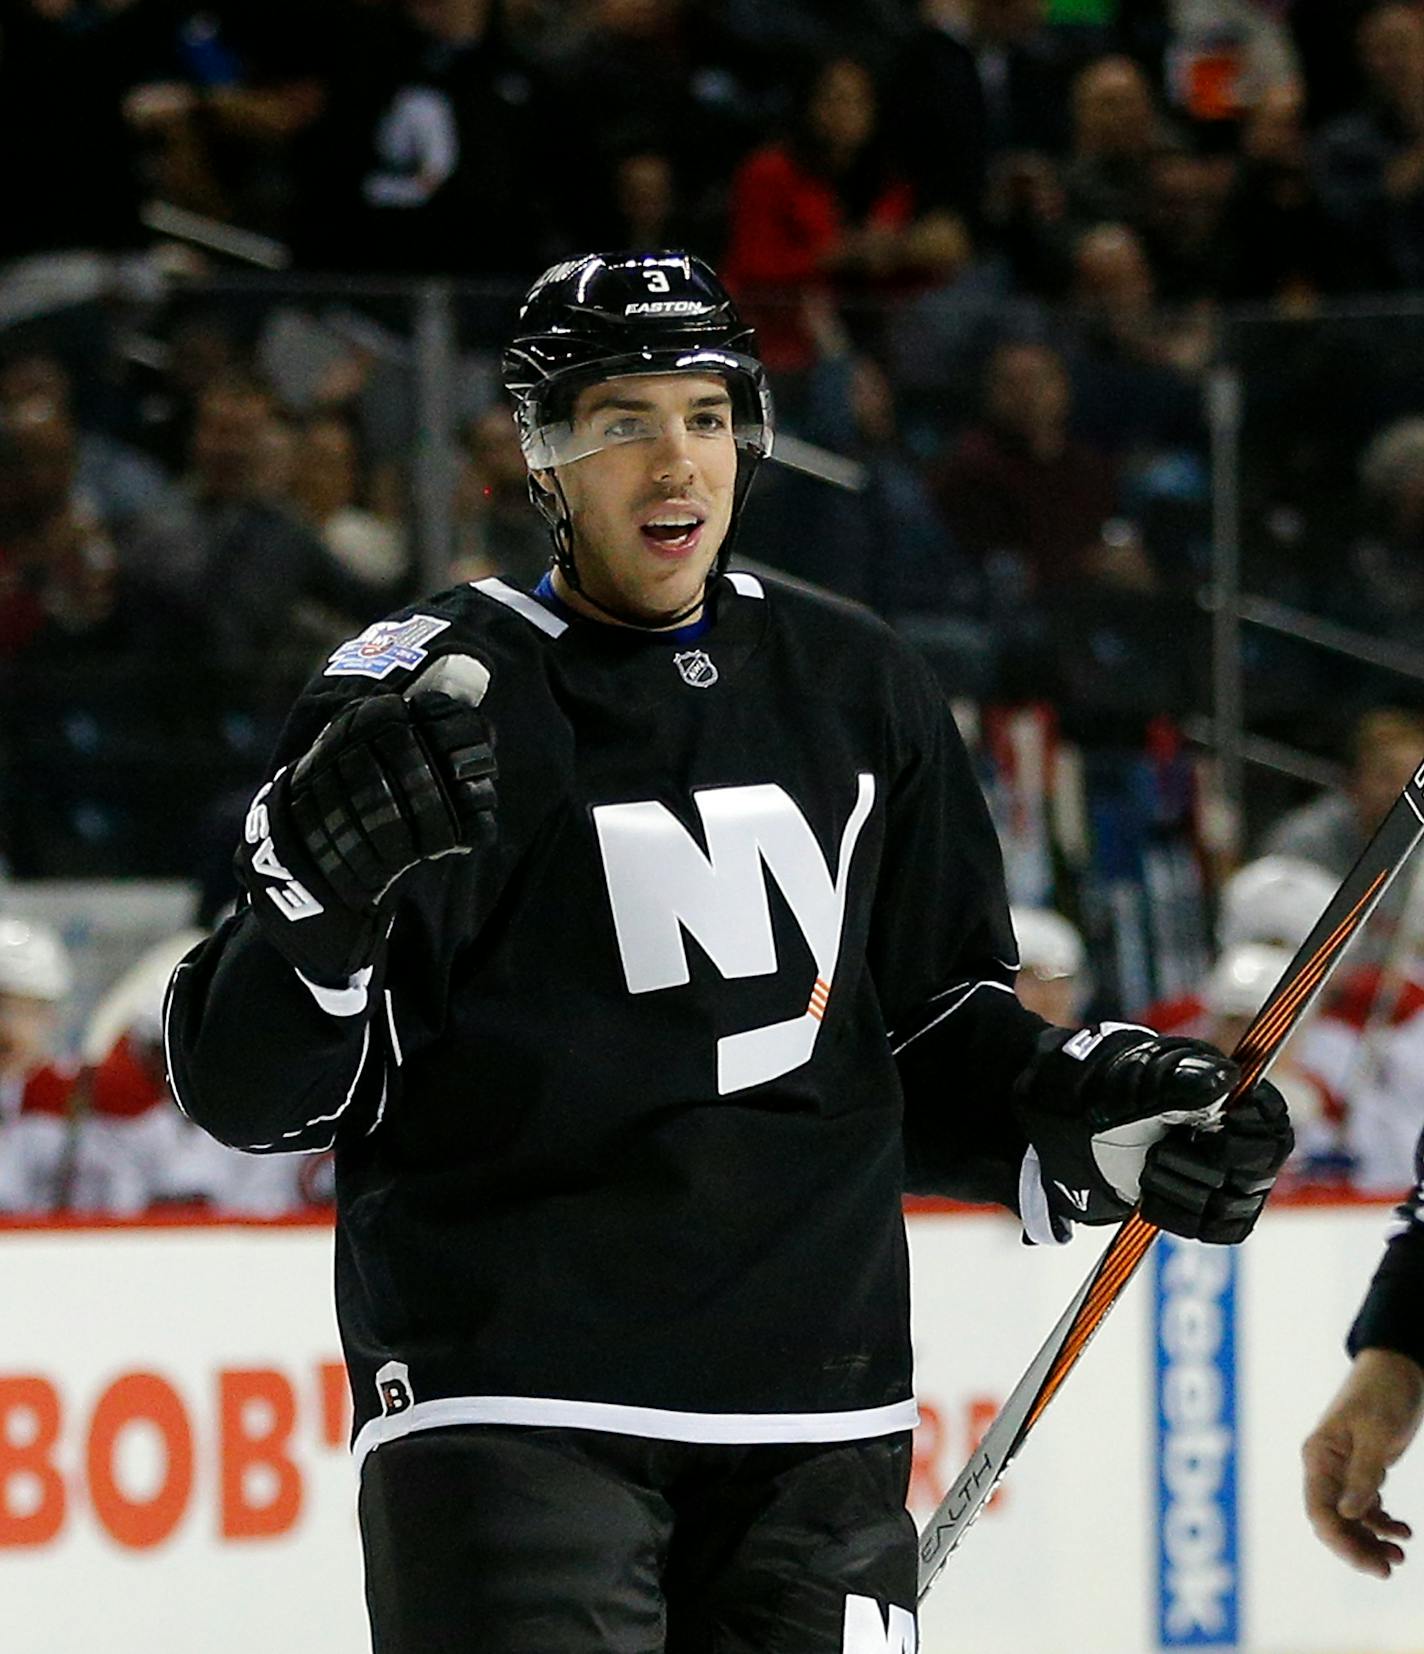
{"x": 561, "y": 442}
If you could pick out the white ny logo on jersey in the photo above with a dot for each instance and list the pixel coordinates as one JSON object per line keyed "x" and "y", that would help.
{"x": 660, "y": 882}
{"x": 867, "y": 1633}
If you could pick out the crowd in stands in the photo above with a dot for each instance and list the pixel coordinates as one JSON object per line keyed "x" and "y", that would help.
{"x": 996, "y": 251}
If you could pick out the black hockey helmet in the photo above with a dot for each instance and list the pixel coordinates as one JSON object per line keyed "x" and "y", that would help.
{"x": 609, "y": 315}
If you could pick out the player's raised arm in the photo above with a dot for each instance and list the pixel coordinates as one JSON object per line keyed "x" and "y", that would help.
{"x": 270, "y": 1023}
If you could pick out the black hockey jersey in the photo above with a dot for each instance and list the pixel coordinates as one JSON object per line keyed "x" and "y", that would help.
{"x": 625, "y": 1109}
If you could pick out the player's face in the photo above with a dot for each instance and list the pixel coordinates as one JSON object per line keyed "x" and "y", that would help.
{"x": 1055, "y": 998}
{"x": 26, "y": 1029}
{"x": 1379, "y": 776}
{"x": 651, "y": 509}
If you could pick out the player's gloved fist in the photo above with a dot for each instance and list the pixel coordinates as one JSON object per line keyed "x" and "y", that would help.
{"x": 390, "y": 783}
{"x": 1211, "y": 1185}
{"x": 1093, "y": 1103}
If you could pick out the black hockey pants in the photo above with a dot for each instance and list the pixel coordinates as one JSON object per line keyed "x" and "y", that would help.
{"x": 506, "y": 1540}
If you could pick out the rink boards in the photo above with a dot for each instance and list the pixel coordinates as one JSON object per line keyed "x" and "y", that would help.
{"x": 173, "y": 1471}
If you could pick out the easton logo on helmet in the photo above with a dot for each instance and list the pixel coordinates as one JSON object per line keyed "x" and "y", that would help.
{"x": 666, "y": 307}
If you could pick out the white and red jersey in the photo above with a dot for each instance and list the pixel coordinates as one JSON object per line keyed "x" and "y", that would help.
{"x": 34, "y": 1138}
{"x": 1184, "y": 1017}
{"x": 1314, "y": 1110}
{"x": 128, "y": 1137}
{"x": 107, "y": 1139}
{"x": 1375, "y": 1095}
{"x": 249, "y": 1185}
{"x": 135, "y": 1150}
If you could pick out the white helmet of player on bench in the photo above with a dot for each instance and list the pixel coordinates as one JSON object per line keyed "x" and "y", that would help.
{"x": 1275, "y": 899}
{"x": 33, "y": 961}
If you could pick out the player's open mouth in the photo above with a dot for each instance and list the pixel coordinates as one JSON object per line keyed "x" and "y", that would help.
{"x": 673, "y": 532}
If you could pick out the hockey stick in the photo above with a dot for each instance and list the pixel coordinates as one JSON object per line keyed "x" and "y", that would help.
{"x": 1257, "y": 1048}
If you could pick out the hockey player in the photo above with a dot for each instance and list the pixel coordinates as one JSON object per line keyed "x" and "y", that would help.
{"x": 1053, "y": 977}
{"x": 1270, "y": 902}
{"x": 35, "y": 980}
{"x": 130, "y": 1149}
{"x": 626, "y": 1079}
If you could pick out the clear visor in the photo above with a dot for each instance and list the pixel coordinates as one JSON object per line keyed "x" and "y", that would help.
{"x": 623, "y": 416}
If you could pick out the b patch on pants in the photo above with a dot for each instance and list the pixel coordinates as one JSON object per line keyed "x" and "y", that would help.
{"x": 393, "y": 1388}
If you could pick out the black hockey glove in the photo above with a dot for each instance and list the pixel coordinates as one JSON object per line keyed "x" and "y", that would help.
{"x": 388, "y": 784}
{"x": 1211, "y": 1184}
{"x": 1121, "y": 1116}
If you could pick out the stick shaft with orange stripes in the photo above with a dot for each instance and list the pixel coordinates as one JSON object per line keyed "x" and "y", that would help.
{"x": 1257, "y": 1048}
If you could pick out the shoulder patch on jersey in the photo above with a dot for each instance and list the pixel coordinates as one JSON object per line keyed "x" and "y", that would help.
{"x": 381, "y": 648}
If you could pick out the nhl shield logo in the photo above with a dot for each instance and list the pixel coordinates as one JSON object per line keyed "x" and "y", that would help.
{"x": 696, "y": 667}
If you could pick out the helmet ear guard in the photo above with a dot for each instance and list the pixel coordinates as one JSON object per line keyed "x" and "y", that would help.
{"x": 551, "y": 505}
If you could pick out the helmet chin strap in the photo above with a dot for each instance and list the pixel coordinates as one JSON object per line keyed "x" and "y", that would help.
{"x": 553, "y": 506}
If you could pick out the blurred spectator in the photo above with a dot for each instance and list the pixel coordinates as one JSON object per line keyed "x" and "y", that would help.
{"x": 1332, "y": 830}
{"x": 1276, "y": 241}
{"x": 645, "y": 202}
{"x": 1225, "y": 55}
{"x": 1370, "y": 161}
{"x": 1380, "y": 584}
{"x": 89, "y": 653}
{"x": 977, "y": 82}
{"x": 222, "y": 91}
{"x": 1114, "y": 286}
{"x": 425, "y": 158}
{"x": 1137, "y": 363}
{"x": 1117, "y": 133}
{"x": 71, "y": 178}
{"x": 1020, "y": 493}
{"x": 1053, "y": 974}
{"x": 824, "y": 209}
{"x": 654, "y": 75}
{"x": 498, "y": 531}
{"x": 200, "y": 347}
{"x": 118, "y": 479}
{"x": 1186, "y": 197}
{"x": 248, "y": 557}
{"x": 35, "y": 980}
{"x": 330, "y": 487}
{"x": 884, "y": 545}
{"x": 58, "y": 566}
{"x": 275, "y": 469}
